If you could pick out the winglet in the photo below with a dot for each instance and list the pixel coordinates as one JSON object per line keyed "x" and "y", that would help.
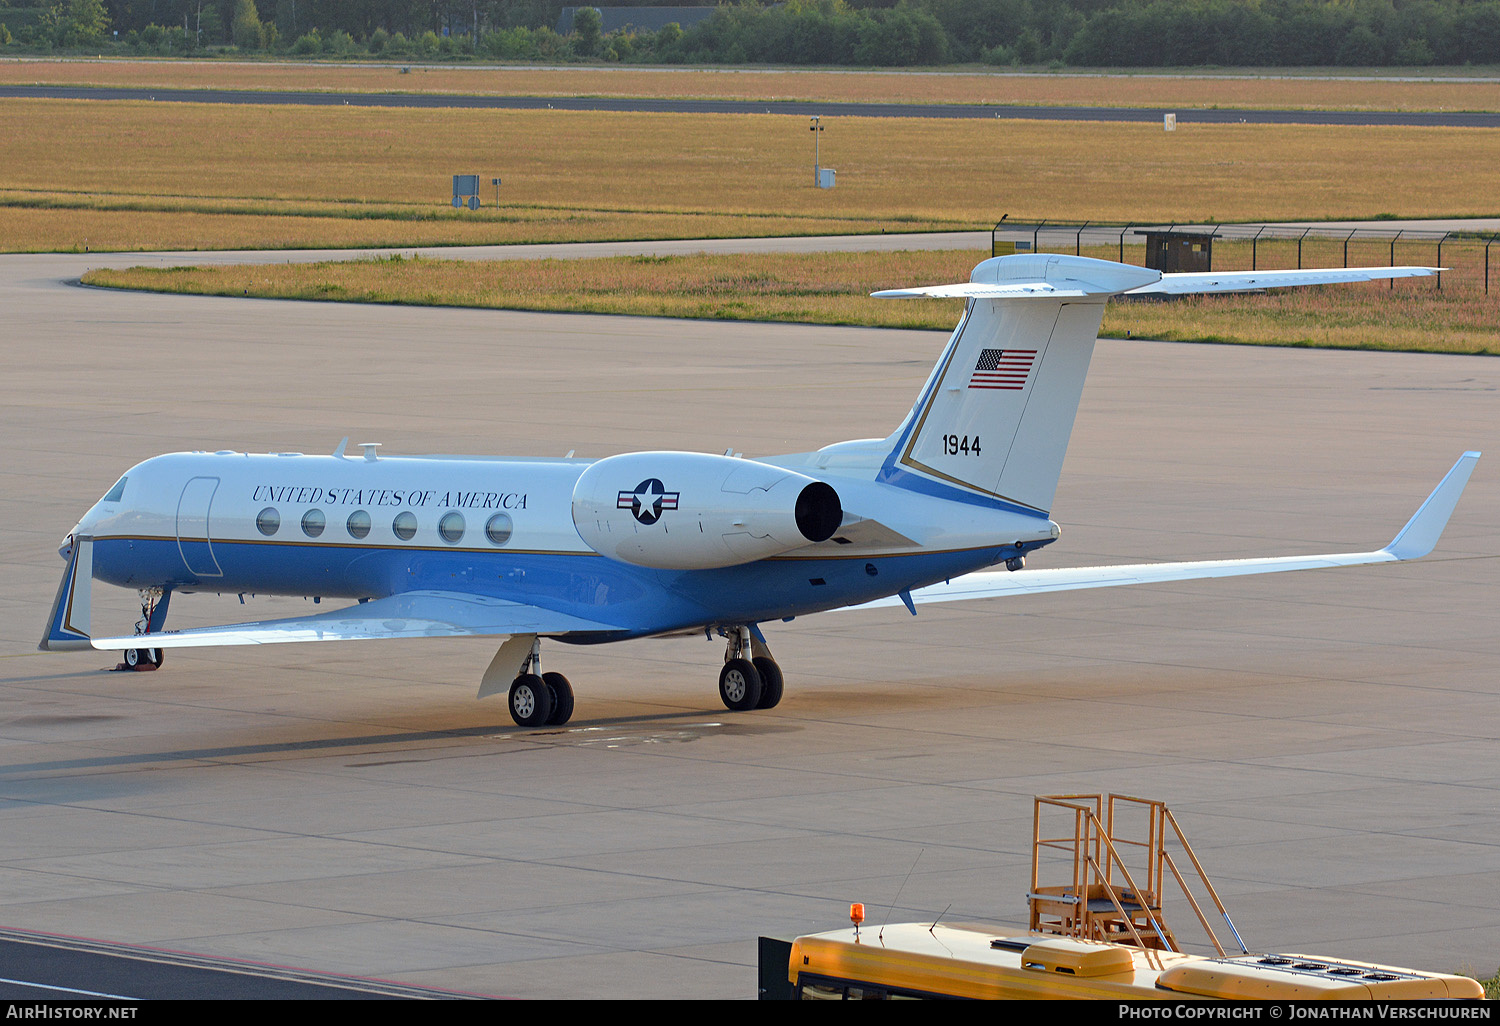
{"x": 1422, "y": 531}
{"x": 68, "y": 626}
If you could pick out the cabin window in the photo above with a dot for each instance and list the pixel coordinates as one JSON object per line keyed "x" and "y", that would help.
{"x": 113, "y": 495}
{"x": 359, "y": 524}
{"x": 451, "y": 527}
{"x": 268, "y": 521}
{"x": 498, "y": 529}
{"x": 313, "y": 522}
{"x": 405, "y": 525}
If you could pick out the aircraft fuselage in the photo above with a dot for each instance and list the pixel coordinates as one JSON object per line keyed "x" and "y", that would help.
{"x": 354, "y": 528}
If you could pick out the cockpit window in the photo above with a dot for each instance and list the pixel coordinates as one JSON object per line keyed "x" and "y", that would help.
{"x": 113, "y": 495}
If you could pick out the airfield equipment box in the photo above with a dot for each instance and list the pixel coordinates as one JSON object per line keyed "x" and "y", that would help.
{"x": 1179, "y": 251}
{"x": 466, "y": 191}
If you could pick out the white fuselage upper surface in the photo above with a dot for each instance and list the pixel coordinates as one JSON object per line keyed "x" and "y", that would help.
{"x": 354, "y": 527}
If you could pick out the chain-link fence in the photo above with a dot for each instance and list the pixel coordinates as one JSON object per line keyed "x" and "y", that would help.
{"x": 1471, "y": 260}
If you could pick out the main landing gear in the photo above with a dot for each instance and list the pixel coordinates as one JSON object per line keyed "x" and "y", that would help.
{"x": 540, "y": 699}
{"x": 750, "y": 679}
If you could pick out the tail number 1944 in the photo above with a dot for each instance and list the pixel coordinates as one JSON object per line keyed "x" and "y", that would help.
{"x": 960, "y": 445}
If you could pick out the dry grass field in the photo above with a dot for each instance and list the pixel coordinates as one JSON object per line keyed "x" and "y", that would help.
{"x": 126, "y": 175}
{"x": 822, "y": 288}
{"x": 833, "y": 288}
{"x": 1255, "y": 89}
{"x": 70, "y": 227}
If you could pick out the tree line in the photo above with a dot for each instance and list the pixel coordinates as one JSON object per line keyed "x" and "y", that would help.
{"x": 892, "y": 33}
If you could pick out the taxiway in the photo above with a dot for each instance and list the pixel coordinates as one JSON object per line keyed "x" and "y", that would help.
{"x": 1327, "y": 739}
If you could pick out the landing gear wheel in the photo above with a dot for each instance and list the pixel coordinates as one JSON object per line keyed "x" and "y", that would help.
{"x": 157, "y": 656}
{"x": 530, "y": 701}
{"x": 770, "y": 682}
{"x": 562, "y": 699}
{"x": 739, "y": 685}
{"x": 135, "y": 657}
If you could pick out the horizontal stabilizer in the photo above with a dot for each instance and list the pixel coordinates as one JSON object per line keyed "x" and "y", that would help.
{"x": 1194, "y": 282}
{"x": 416, "y": 614}
{"x": 1415, "y": 540}
{"x": 1036, "y": 276}
{"x": 1068, "y": 277}
{"x": 981, "y": 290}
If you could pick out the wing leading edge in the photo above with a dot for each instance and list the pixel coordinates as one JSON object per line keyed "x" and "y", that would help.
{"x": 1414, "y": 541}
{"x": 415, "y": 614}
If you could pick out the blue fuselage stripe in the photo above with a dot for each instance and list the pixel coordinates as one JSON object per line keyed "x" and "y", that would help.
{"x": 637, "y": 599}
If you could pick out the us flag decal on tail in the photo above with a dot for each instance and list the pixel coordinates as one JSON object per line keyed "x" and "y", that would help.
{"x": 1002, "y": 368}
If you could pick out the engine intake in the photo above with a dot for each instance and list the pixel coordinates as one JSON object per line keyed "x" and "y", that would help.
{"x": 697, "y": 511}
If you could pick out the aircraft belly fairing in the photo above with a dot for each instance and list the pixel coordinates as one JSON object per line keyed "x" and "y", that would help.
{"x": 582, "y": 593}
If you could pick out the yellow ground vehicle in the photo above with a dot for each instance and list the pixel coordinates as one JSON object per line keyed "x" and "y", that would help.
{"x": 1098, "y": 932}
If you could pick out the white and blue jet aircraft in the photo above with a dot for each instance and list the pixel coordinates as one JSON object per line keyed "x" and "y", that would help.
{"x": 667, "y": 543}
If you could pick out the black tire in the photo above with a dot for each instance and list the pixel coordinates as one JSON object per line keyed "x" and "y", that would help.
{"x": 562, "y": 699}
{"x": 739, "y": 685}
{"x": 770, "y": 682}
{"x": 157, "y": 656}
{"x": 134, "y": 657}
{"x": 530, "y": 701}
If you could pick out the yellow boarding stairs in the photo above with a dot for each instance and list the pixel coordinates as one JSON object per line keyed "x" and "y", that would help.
{"x": 1113, "y": 867}
{"x": 1101, "y": 867}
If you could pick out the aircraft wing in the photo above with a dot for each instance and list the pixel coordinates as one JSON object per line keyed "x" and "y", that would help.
{"x": 1414, "y": 541}
{"x": 416, "y": 614}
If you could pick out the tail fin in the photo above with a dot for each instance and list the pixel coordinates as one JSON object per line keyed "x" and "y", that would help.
{"x": 992, "y": 422}
{"x": 994, "y": 418}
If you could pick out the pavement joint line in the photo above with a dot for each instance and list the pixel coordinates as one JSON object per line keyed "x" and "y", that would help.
{"x": 190, "y": 960}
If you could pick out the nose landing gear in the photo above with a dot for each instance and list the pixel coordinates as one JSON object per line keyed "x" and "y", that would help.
{"x": 141, "y": 659}
{"x": 153, "y": 615}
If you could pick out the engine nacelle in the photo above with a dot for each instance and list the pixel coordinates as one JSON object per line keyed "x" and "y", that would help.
{"x": 696, "y": 511}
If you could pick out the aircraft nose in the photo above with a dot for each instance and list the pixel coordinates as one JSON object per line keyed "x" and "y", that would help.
{"x": 80, "y": 529}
